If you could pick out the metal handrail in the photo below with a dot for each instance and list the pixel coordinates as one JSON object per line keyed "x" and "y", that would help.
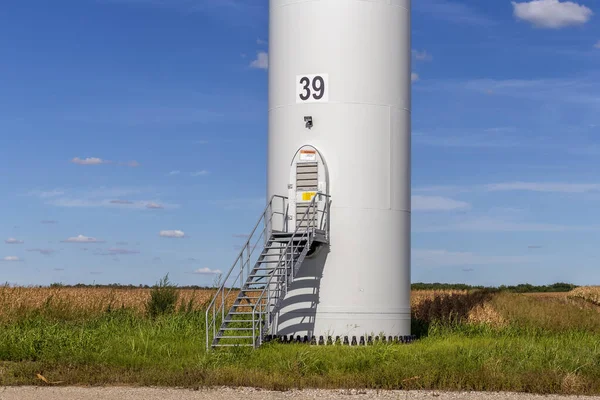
{"x": 309, "y": 233}
{"x": 243, "y": 261}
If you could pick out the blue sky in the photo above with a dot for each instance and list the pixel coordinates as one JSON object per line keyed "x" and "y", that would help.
{"x": 122, "y": 119}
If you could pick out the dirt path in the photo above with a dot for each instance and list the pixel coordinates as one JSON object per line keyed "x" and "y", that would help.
{"x": 118, "y": 393}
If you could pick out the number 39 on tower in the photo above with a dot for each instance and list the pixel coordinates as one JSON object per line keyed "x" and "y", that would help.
{"x": 312, "y": 88}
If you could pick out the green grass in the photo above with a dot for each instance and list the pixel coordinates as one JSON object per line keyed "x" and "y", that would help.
{"x": 547, "y": 348}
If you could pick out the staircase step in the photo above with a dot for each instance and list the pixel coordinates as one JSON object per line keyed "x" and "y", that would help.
{"x": 250, "y": 302}
{"x": 233, "y": 321}
{"x": 235, "y": 337}
{"x": 236, "y": 306}
{"x": 236, "y": 329}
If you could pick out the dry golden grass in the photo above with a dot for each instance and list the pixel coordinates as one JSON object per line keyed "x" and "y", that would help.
{"x": 427, "y": 305}
{"x": 455, "y": 306}
{"x": 15, "y": 300}
{"x": 590, "y": 294}
{"x": 586, "y": 298}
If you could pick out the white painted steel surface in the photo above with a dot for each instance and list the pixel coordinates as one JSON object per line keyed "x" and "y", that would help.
{"x": 360, "y": 109}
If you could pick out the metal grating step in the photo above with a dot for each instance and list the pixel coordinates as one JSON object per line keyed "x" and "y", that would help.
{"x": 235, "y": 321}
{"x": 234, "y": 337}
{"x": 237, "y": 329}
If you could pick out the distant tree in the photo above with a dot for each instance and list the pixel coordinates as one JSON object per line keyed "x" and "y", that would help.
{"x": 521, "y": 288}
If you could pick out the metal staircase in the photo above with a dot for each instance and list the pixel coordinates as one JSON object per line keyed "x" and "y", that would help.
{"x": 243, "y": 310}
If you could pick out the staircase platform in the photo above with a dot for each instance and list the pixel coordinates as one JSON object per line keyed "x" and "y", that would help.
{"x": 284, "y": 237}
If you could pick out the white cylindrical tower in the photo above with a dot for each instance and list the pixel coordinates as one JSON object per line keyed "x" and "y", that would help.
{"x": 340, "y": 85}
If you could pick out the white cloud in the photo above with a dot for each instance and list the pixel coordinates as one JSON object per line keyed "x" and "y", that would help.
{"x": 452, "y": 11}
{"x": 207, "y": 271}
{"x": 260, "y": 41}
{"x": 45, "y": 252}
{"x": 120, "y": 202}
{"x": 414, "y": 77}
{"x": 441, "y": 188}
{"x": 91, "y": 203}
{"x": 228, "y": 8}
{"x": 490, "y": 138}
{"x": 52, "y": 193}
{"x": 82, "y": 239}
{"x": 544, "y": 187}
{"x": 494, "y": 224}
{"x": 99, "y": 161}
{"x": 174, "y": 173}
{"x": 437, "y": 203}
{"x": 11, "y": 259}
{"x": 422, "y": 55}
{"x": 597, "y": 45}
{"x": 580, "y": 91}
{"x": 257, "y": 203}
{"x": 552, "y": 14}
{"x": 172, "y": 234}
{"x": 13, "y": 241}
{"x": 154, "y": 206}
{"x": 89, "y": 161}
{"x": 122, "y": 251}
{"x": 261, "y": 61}
{"x": 199, "y": 173}
{"x": 444, "y": 258}
{"x": 49, "y": 222}
{"x": 107, "y": 197}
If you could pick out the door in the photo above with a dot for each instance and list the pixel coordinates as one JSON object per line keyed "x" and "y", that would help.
{"x": 308, "y": 176}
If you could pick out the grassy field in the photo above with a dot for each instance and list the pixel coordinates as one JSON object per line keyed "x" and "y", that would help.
{"x": 469, "y": 340}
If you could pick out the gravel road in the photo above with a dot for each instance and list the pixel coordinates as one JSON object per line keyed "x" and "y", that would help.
{"x": 120, "y": 393}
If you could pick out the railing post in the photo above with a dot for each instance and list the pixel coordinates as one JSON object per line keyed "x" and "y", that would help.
{"x": 206, "y": 327}
{"x": 285, "y": 268}
{"x": 222, "y": 305}
{"x": 253, "y": 331}
{"x": 247, "y": 260}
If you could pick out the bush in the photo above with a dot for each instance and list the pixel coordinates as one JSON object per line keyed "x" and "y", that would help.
{"x": 163, "y": 298}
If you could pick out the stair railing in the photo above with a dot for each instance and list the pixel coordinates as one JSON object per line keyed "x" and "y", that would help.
{"x": 239, "y": 271}
{"x": 270, "y": 298}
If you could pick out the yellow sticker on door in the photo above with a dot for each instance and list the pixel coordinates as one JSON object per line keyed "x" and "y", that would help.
{"x": 307, "y": 196}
